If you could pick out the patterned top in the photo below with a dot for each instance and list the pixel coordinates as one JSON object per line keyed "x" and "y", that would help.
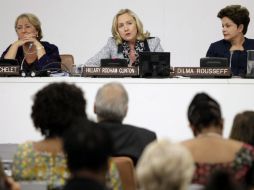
{"x": 239, "y": 167}
{"x": 110, "y": 50}
{"x": 31, "y": 165}
{"x": 139, "y": 47}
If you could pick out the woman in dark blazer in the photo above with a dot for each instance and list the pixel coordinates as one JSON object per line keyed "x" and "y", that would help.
{"x": 235, "y": 20}
{"x": 30, "y": 52}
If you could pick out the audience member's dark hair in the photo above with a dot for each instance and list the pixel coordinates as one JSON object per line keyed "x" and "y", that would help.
{"x": 56, "y": 106}
{"x": 236, "y": 13}
{"x": 88, "y": 147}
{"x": 204, "y": 111}
{"x": 222, "y": 180}
{"x": 243, "y": 127}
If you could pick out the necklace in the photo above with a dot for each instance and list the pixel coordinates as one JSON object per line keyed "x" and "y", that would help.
{"x": 210, "y": 134}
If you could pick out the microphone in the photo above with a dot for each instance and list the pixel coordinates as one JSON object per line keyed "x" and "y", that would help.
{"x": 48, "y": 69}
{"x": 30, "y": 46}
{"x": 23, "y": 74}
{"x": 230, "y": 58}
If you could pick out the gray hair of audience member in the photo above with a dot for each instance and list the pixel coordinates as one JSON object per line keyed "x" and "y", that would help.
{"x": 165, "y": 166}
{"x": 111, "y": 102}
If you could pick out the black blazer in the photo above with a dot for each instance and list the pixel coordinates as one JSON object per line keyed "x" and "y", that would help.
{"x": 128, "y": 140}
{"x": 239, "y": 58}
{"x": 78, "y": 183}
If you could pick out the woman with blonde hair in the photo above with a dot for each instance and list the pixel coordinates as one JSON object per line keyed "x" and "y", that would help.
{"x": 165, "y": 166}
{"x": 128, "y": 40}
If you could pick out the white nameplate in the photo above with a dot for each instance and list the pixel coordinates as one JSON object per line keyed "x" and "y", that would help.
{"x": 110, "y": 71}
{"x": 202, "y": 71}
{"x": 9, "y": 70}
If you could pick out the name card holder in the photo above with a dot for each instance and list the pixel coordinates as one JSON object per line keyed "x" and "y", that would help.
{"x": 203, "y": 72}
{"x": 110, "y": 72}
{"x": 9, "y": 70}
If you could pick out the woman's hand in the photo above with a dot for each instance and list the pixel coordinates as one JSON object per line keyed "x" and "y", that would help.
{"x": 31, "y": 37}
{"x": 28, "y": 38}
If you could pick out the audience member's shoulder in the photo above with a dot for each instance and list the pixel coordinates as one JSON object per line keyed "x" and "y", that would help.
{"x": 26, "y": 144}
{"x": 234, "y": 142}
{"x": 240, "y": 146}
{"x": 190, "y": 143}
{"x": 140, "y": 129}
{"x": 25, "y": 147}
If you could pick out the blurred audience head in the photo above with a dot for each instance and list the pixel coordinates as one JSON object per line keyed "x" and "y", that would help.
{"x": 55, "y": 108}
{"x": 165, "y": 166}
{"x": 204, "y": 112}
{"x": 243, "y": 127}
{"x": 111, "y": 102}
{"x": 222, "y": 179}
{"x": 7, "y": 183}
{"x": 88, "y": 148}
{"x": 238, "y": 14}
{"x": 136, "y": 23}
{"x": 31, "y": 19}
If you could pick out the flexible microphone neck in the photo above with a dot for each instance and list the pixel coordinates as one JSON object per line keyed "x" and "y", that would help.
{"x": 230, "y": 58}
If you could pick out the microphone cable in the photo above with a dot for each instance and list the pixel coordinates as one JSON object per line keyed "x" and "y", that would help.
{"x": 23, "y": 74}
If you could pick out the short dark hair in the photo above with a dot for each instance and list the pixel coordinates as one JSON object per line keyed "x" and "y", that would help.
{"x": 243, "y": 127}
{"x": 87, "y": 146}
{"x": 204, "y": 111}
{"x": 222, "y": 179}
{"x": 55, "y": 108}
{"x": 238, "y": 14}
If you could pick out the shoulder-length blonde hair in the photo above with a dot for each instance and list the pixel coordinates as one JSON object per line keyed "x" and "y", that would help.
{"x": 33, "y": 20}
{"x": 141, "y": 35}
